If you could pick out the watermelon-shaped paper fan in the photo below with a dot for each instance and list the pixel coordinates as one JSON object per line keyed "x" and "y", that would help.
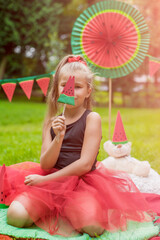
{"x": 119, "y": 135}
{"x": 112, "y": 36}
{"x": 67, "y": 95}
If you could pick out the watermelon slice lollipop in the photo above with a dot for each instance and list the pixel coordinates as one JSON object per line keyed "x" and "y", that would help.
{"x": 67, "y": 95}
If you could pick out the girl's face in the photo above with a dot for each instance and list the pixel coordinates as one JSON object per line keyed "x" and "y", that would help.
{"x": 81, "y": 90}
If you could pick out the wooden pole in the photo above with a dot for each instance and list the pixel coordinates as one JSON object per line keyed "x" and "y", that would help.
{"x": 110, "y": 106}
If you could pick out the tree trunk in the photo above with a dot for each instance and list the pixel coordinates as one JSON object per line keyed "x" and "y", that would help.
{"x": 3, "y": 66}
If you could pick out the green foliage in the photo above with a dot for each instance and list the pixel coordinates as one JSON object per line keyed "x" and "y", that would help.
{"x": 72, "y": 10}
{"x": 56, "y": 53}
{"x": 30, "y": 27}
{"x": 27, "y": 23}
{"x": 21, "y": 132}
{"x": 36, "y": 34}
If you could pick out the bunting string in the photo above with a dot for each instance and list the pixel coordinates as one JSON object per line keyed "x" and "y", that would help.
{"x": 43, "y": 80}
{"x": 26, "y": 83}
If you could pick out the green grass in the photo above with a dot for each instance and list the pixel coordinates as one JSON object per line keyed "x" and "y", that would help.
{"x": 21, "y": 132}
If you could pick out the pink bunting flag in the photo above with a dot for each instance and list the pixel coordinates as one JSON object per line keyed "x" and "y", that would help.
{"x": 153, "y": 67}
{"x": 9, "y": 89}
{"x": 43, "y": 83}
{"x": 5, "y": 237}
{"x": 27, "y": 87}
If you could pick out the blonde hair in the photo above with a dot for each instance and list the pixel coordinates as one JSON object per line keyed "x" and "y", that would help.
{"x": 63, "y": 68}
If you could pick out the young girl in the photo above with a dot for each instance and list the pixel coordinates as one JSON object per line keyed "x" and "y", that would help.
{"x": 66, "y": 192}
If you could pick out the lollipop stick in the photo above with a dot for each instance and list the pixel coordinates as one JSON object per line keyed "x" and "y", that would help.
{"x": 64, "y": 108}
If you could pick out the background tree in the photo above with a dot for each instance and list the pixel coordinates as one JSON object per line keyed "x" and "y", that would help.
{"x": 151, "y": 13}
{"x": 28, "y": 29}
{"x": 35, "y": 34}
{"x": 71, "y": 11}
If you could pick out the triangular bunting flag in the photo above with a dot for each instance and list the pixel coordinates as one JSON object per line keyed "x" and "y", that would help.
{"x": 4, "y": 184}
{"x": 5, "y": 237}
{"x": 27, "y": 87}
{"x": 119, "y": 135}
{"x": 153, "y": 67}
{"x": 43, "y": 84}
{"x": 9, "y": 89}
{"x": 67, "y": 95}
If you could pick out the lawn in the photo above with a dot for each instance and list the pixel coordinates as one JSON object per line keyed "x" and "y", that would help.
{"x": 21, "y": 130}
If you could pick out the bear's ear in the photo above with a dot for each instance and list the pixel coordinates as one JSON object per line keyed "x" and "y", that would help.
{"x": 130, "y": 144}
{"x": 106, "y": 145}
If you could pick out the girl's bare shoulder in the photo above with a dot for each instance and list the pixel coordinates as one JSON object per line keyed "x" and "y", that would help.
{"x": 93, "y": 121}
{"x": 93, "y": 116}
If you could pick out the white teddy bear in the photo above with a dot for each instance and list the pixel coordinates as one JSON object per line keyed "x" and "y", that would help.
{"x": 120, "y": 159}
{"x": 144, "y": 177}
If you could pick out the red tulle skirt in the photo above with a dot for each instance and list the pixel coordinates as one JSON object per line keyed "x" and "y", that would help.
{"x": 100, "y": 198}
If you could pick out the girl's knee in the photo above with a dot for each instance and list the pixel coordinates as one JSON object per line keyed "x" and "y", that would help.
{"x": 83, "y": 213}
{"x": 93, "y": 231}
{"x": 18, "y": 216}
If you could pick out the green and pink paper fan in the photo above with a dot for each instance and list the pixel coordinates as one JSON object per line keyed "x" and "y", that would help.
{"x": 119, "y": 135}
{"x": 67, "y": 95}
{"x": 112, "y": 36}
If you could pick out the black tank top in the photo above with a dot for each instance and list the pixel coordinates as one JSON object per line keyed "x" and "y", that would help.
{"x": 72, "y": 142}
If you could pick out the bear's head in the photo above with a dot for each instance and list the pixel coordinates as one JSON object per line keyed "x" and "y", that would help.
{"x": 119, "y": 150}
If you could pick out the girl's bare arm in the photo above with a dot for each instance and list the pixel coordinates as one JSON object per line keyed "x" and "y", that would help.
{"x": 92, "y": 139}
{"x": 50, "y": 149}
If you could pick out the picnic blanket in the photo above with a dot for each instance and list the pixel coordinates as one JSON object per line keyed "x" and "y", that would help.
{"x": 135, "y": 231}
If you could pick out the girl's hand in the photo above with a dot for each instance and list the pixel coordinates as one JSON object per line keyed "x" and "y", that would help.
{"x": 59, "y": 126}
{"x": 34, "y": 179}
